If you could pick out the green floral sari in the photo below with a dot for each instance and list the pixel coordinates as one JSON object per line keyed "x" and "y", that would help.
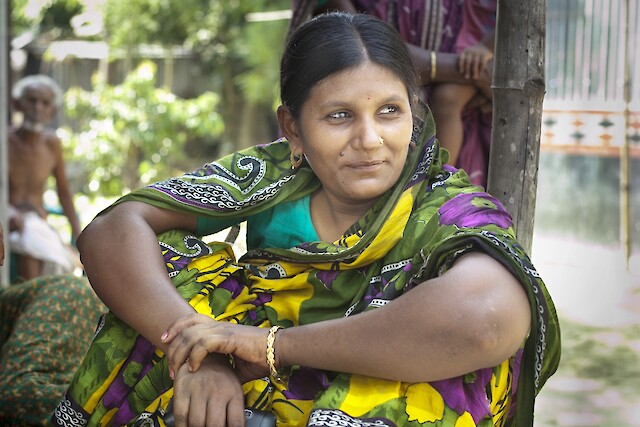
{"x": 413, "y": 233}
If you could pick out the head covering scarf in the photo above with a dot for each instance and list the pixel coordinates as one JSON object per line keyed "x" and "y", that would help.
{"x": 414, "y": 232}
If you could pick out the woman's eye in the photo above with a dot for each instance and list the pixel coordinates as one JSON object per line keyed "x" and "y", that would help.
{"x": 339, "y": 115}
{"x": 389, "y": 109}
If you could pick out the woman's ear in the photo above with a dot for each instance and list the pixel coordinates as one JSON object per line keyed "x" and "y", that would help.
{"x": 288, "y": 127}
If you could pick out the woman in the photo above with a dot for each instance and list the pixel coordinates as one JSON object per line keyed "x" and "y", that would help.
{"x": 451, "y": 43}
{"x": 380, "y": 287}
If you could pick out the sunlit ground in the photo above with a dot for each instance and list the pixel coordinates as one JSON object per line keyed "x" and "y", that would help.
{"x": 596, "y": 291}
{"x": 598, "y": 301}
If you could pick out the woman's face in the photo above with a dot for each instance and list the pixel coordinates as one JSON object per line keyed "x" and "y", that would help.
{"x": 340, "y": 129}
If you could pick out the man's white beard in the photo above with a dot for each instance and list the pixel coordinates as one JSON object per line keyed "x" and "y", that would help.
{"x": 33, "y": 127}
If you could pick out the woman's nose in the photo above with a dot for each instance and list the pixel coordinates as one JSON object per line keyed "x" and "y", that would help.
{"x": 369, "y": 136}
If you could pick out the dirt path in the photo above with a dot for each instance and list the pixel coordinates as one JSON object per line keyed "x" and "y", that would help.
{"x": 598, "y": 301}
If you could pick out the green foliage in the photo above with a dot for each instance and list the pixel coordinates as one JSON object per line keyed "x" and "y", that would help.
{"x": 261, "y": 47}
{"x": 216, "y": 31}
{"x": 165, "y": 22}
{"x": 57, "y": 16}
{"x": 20, "y": 21}
{"x": 135, "y": 133}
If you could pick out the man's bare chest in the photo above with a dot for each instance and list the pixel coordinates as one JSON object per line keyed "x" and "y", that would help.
{"x": 33, "y": 162}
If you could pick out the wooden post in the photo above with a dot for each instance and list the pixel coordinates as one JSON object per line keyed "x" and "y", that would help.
{"x": 625, "y": 162}
{"x": 518, "y": 92}
{"x": 5, "y": 16}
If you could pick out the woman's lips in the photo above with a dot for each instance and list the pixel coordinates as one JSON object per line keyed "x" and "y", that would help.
{"x": 367, "y": 165}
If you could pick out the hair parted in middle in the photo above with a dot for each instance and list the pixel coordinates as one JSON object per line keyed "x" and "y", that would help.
{"x": 336, "y": 41}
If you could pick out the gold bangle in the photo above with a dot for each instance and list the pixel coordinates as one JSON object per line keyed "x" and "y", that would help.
{"x": 271, "y": 355}
{"x": 433, "y": 65}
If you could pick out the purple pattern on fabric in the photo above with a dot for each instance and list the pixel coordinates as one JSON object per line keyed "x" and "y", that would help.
{"x": 232, "y": 285}
{"x": 176, "y": 264}
{"x": 262, "y": 298}
{"x": 516, "y": 371}
{"x": 514, "y": 382}
{"x": 474, "y": 210}
{"x": 327, "y": 277}
{"x": 305, "y": 383}
{"x": 372, "y": 293}
{"x": 462, "y": 396}
{"x": 118, "y": 390}
{"x": 447, "y": 167}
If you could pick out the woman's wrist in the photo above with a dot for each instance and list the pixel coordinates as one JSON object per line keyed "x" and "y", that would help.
{"x": 434, "y": 67}
{"x": 277, "y": 371}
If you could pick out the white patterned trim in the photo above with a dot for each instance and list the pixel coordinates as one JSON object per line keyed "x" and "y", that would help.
{"x": 336, "y": 418}
{"x": 66, "y": 416}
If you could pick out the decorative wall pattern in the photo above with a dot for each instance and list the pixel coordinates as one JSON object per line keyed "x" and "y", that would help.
{"x": 590, "y": 132}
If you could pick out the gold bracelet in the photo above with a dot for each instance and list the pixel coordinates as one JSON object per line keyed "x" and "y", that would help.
{"x": 271, "y": 355}
{"x": 433, "y": 65}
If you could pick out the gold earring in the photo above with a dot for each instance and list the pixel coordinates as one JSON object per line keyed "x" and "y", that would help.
{"x": 296, "y": 160}
{"x": 381, "y": 141}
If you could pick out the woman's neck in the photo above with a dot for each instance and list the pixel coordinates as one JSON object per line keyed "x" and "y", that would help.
{"x": 331, "y": 217}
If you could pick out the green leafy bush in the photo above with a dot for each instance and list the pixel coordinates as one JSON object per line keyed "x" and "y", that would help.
{"x": 132, "y": 134}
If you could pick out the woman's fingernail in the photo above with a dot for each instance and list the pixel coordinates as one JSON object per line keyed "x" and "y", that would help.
{"x": 164, "y": 336}
{"x": 171, "y": 374}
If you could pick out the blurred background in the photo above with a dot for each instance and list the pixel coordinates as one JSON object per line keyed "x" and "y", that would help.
{"x": 154, "y": 88}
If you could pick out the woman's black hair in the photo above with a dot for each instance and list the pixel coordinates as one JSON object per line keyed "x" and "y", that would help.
{"x": 336, "y": 41}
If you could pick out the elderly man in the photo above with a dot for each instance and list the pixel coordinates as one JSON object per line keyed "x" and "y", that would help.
{"x": 35, "y": 154}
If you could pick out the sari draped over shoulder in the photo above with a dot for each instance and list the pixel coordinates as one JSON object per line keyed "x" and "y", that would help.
{"x": 414, "y": 232}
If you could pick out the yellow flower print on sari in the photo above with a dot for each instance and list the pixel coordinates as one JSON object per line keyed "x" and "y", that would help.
{"x": 424, "y": 403}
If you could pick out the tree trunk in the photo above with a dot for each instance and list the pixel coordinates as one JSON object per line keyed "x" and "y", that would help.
{"x": 5, "y": 18}
{"x": 518, "y": 92}
{"x": 5, "y": 13}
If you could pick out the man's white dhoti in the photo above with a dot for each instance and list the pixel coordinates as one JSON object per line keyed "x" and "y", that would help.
{"x": 39, "y": 240}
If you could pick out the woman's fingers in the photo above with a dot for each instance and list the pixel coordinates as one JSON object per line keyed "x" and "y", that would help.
{"x": 235, "y": 413}
{"x": 199, "y": 350}
{"x": 191, "y": 345}
{"x": 179, "y": 325}
{"x": 193, "y": 339}
{"x": 211, "y": 398}
{"x": 179, "y": 336}
{"x": 476, "y": 67}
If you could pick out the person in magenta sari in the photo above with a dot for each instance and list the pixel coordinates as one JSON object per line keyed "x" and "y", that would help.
{"x": 451, "y": 43}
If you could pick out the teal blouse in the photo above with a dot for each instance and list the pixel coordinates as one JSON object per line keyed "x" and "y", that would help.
{"x": 283, "y": 226}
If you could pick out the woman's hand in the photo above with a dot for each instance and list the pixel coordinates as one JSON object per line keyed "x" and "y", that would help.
{"x": 192, "y": 338}
{"x": 485, "y": 80}
{"x": 472, "y": 60}
{"x": 211, "y": 397}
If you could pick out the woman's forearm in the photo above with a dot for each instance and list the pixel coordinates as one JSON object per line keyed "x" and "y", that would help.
{"x": 445, "y": 64}
{"x": 123, "y": 262}
{"x": 474, "y": 316}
